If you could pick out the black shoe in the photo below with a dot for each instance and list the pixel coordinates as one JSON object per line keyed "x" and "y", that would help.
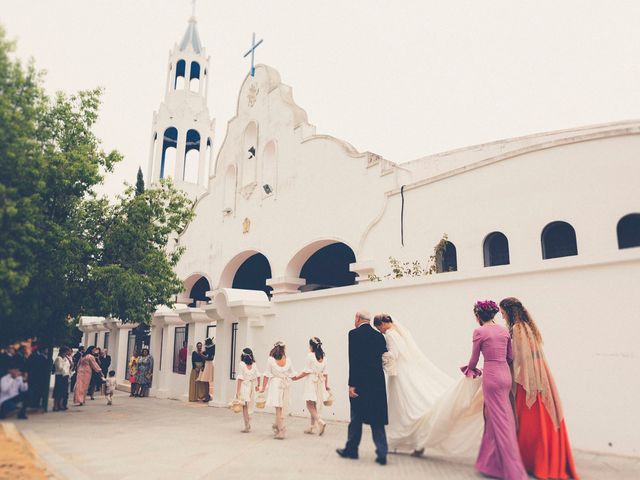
{"x": 22, "y": 416}
{"x": 345, "y": 454}
{"x": 381, "y": 460}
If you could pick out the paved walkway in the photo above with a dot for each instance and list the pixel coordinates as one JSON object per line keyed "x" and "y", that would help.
{"x": 147, "y": 438}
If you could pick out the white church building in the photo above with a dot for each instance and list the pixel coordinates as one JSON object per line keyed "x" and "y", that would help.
{"x": 292, "y": 225}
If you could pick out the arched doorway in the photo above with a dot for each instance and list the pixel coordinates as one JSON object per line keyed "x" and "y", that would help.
{"x": 253, "y": 274}
{"x": 199, "y": 291}
{"x": 328, "y": 267}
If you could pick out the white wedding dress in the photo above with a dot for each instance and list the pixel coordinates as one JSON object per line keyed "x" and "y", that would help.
{"x": 428, "y": 409}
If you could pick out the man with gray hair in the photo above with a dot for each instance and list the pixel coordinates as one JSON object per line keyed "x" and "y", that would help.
{"x": 367, "y": 388}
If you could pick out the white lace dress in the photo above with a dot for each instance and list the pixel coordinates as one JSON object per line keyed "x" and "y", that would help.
{"x": 279, "y": 382}
{"x": 314, "y": 387}
{"x": 249, "y": 377}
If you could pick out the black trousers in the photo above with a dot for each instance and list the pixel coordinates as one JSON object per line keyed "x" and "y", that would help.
{"x": 354, "y": 435}
{"x": 11, "y": 404}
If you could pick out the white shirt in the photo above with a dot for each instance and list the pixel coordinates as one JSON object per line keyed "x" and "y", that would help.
{"x": 10, "y": 387}
{"x": 62, "y": 366}
{"x": 112, "y": 384}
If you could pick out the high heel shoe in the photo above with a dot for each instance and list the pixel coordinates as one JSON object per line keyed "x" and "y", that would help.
{"x": 281, "y": 434}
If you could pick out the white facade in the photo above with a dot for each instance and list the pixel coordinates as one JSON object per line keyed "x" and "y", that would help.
{"x": 322, "y": 191}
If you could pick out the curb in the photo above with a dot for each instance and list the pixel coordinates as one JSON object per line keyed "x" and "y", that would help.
{"x": 54, "y": 463}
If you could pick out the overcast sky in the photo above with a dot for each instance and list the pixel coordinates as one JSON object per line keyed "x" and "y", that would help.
{"x": 400, "y": 78}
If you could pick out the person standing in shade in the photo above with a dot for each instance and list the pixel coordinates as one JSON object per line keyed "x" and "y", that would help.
{"x": 499, "y": 455}
{"x": 132, "y": 369}
{"x": 206, "y": 375}
{"x": 62, "y": 371}
{"x": 105, "y": 362}
{"x": 75, "y": 361}
{"x": 86, "y": 367}
{"x": 367, "y": 388}
{"x": 197, "y": 390}
{"x": 97, "y": 378}
{"x": 144, "y": 373}
{"x": 38, "y": 367}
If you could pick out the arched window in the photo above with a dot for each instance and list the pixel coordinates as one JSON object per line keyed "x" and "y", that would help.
{"x": 169, "y": 146}
{"x": 329, "y": 268}
{"x": 253, "y": 274}
{"x": 194, "y": 77}
{"x": 496, "y": 250}
{"x": 559, "y": 240}
{"x": 249, "y": 161}
{"x": 629, "y": 231}
{"x": 199, "y": 291}
{"x": 178, "y": 83}
{"x": 230, "y": 189}
{"x": 446, "y": 258}
{"x": 191, "y": 157}
{"x": 269, "y": 168}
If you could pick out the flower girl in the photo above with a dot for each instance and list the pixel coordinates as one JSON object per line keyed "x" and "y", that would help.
{"x": 316, "y": 386}
{"x": 248, "y": 383}
{"x": 277, "y": 377}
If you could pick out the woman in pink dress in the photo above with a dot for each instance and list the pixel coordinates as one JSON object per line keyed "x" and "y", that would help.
{"x": 86, "y": 366}
{"x": 499, "y": 455}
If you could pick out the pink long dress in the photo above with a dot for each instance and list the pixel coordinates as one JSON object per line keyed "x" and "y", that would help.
{"x": 86, "y": 365}
{"x": 499, "y": 455}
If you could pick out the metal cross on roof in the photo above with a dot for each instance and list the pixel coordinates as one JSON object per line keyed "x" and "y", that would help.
{"x": 252, "y": 51}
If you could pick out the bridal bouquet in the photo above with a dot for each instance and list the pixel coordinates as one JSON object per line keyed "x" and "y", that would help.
{"x": 389, "y": 364}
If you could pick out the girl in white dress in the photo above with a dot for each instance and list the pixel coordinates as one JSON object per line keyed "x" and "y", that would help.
{"x": 277, "y": 377}
{"x": 248, "y": 383}
{"x": 316, "y": 386}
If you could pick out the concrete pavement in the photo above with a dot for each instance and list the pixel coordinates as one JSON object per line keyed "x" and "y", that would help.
{"x": 148, "y": 438}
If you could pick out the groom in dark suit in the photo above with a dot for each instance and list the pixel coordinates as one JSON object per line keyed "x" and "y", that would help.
{"x": 367, "y": 389}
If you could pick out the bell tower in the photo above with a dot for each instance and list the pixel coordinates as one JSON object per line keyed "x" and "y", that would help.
{"x": 182, "y": 128}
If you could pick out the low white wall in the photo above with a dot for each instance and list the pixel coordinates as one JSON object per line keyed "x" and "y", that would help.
{"x": 587, "y": 314}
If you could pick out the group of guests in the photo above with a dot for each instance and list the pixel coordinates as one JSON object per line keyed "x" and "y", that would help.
{"x": 84, "y": 373}
{"x": 140, "y": 370}
{"x": 26, "y": 377}
{"x": 273, "y": 388}
{"x": 202, "y": 367}
{"x": 25, "y": 373}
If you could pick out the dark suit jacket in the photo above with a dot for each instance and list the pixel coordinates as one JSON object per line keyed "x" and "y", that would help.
{"x": 366, "y": 347}
{"x": 105, "y": 363}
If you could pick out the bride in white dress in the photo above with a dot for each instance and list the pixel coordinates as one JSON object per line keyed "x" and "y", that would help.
{"x": 428, "y": 410}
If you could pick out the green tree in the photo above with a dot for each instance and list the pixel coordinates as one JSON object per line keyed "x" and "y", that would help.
{"x": 21, "y": 162}
{"x": 139, "y": 182}
{"x": 134, "y": 272}
{"x": 64, "y": 251}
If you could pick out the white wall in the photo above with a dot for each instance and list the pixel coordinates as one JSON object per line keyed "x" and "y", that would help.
{"x": 587, "y": 314}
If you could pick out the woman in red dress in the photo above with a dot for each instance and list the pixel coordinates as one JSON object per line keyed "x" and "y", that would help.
{"x": 542, "y": 434}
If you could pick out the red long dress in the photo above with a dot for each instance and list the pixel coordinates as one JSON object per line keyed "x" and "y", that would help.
{"x": 542, "y": 434}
